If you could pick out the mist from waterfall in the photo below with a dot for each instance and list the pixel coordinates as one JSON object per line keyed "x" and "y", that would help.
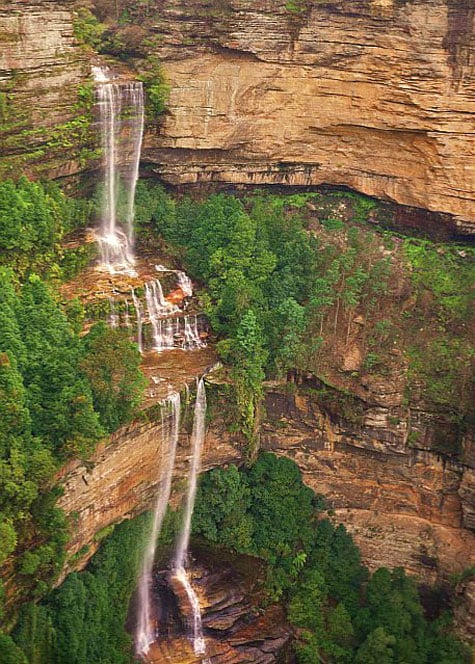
{"x": 179, "y": 564}
{"x": 121, "y": 114}
{"x": 146, "y": 630}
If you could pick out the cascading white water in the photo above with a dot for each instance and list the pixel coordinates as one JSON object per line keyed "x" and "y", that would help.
{"x": 184, "y": 282}
{"x": 169, "y": 330}
{"x": 192, "y": 336}
{"x": 113, "y": 316}
{"x": 146, "y": 630}
{"x": 179, "y": 569}
{"x": 121, "y": 106}
{"x": 135, "y": 96}
{"x": 164, "y": 329}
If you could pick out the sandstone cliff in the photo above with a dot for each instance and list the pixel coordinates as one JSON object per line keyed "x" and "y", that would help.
{"x": 376, "y": 95}
{"x": 44, "y": 128}
{"x": 402, "y": 505}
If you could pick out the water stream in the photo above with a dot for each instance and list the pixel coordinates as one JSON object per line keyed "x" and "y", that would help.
{"x": 179, "y": 564}
{"x": 146, "y": 631}
{"x": 138, "y": 313}
{"x": 121, "y": 112}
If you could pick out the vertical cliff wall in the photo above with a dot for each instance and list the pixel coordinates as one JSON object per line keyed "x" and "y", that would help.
{"x": 377, "y": 95}
{"x": 403, "y": 506}
{"x": 44, "y": 106}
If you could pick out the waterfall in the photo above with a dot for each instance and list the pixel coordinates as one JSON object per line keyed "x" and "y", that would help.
{"x": 127, "y": 315}
{"x": 184, "y": 282}
{"x": 179, "y": 571}
{"x": 146, "y": 631}
{"x": 113, "y": 316}
{"x": 134, "y": 93}
{"x": 192, "y": 336}
{"x": 121, "y": 111}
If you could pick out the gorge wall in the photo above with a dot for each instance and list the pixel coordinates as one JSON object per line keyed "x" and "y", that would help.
{"x": 376, "y": 95}
{"x": 44, "y": 128}
{"x": 405, "y": 507}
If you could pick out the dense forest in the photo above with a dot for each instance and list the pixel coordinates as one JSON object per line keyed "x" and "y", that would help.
{"x": 59, "y": 393}
{"x": 286, "y": 276}
{"x": 339, "y": 611}
{"x": 282, "y": 279}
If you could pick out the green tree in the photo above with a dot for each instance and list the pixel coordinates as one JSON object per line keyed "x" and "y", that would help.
{"x": 221, "y": 511}
{"x": 112, "y": 365}
{"x": 249, "y": 357}
{"x": 11, "y": 654}
{"x": 377, "y": 649}
{"x": 59, "y": 398}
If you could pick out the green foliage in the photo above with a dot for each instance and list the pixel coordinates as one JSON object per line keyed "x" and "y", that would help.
{"x": 34, "y": 219}
{"x": 315, "y": 293}
{"x": 87, "y": 29}
{"x": 47, "y": 400}
{"x": 83, "y": 620}
{"x": 222, "y": 511}
{"x": 444, "y": 271}
{"x": 11, "y": 654}
{"x": 258, "y": 263}
{"x": 249, "y": 358}
{"x": 156, "y": 88}
{"x": 316, "y": 569}
{"x": 61, "y": 407}
{"x": 112, "y": 365}
{"x": 440, "y": 346}
{"x": 377, "y": 649}
{"x": 297, "y": 6}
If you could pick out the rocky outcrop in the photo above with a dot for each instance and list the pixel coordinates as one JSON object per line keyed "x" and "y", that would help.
{"x": 403, "y": 506}
{"x": 235, "y": 630}
{"x": 376, "y": 95}
{"x": 121, "y": 480}
{"x": 44, "y": 118}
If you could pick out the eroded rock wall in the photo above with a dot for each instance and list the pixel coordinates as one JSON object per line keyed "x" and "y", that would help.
{"x": 403, "y": 506}
{"x": 377, "y": 95}
{"x": 121, "y": 480}
{"x": 41, "y": 70}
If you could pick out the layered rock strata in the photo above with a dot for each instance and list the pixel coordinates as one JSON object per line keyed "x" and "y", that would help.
{"x": 230, "y": 590}
{"x": 44, "y": 128}
{"x": 378, "y": 96}
{"x": 403, "y": 506}
{"x": 121, "y": 480}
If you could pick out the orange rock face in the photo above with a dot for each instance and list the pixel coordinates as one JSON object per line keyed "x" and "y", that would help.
{"x": 121, "y": 480}
{"x": 403, "y": 506}
{"x": 377, "y": 95}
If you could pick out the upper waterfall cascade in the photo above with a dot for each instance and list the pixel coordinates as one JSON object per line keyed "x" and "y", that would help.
{"x": 121, "y": 116}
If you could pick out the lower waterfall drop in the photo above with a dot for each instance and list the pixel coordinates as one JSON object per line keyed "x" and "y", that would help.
{"x": 146, "y": 630}
{"x": 179, "y": 571}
